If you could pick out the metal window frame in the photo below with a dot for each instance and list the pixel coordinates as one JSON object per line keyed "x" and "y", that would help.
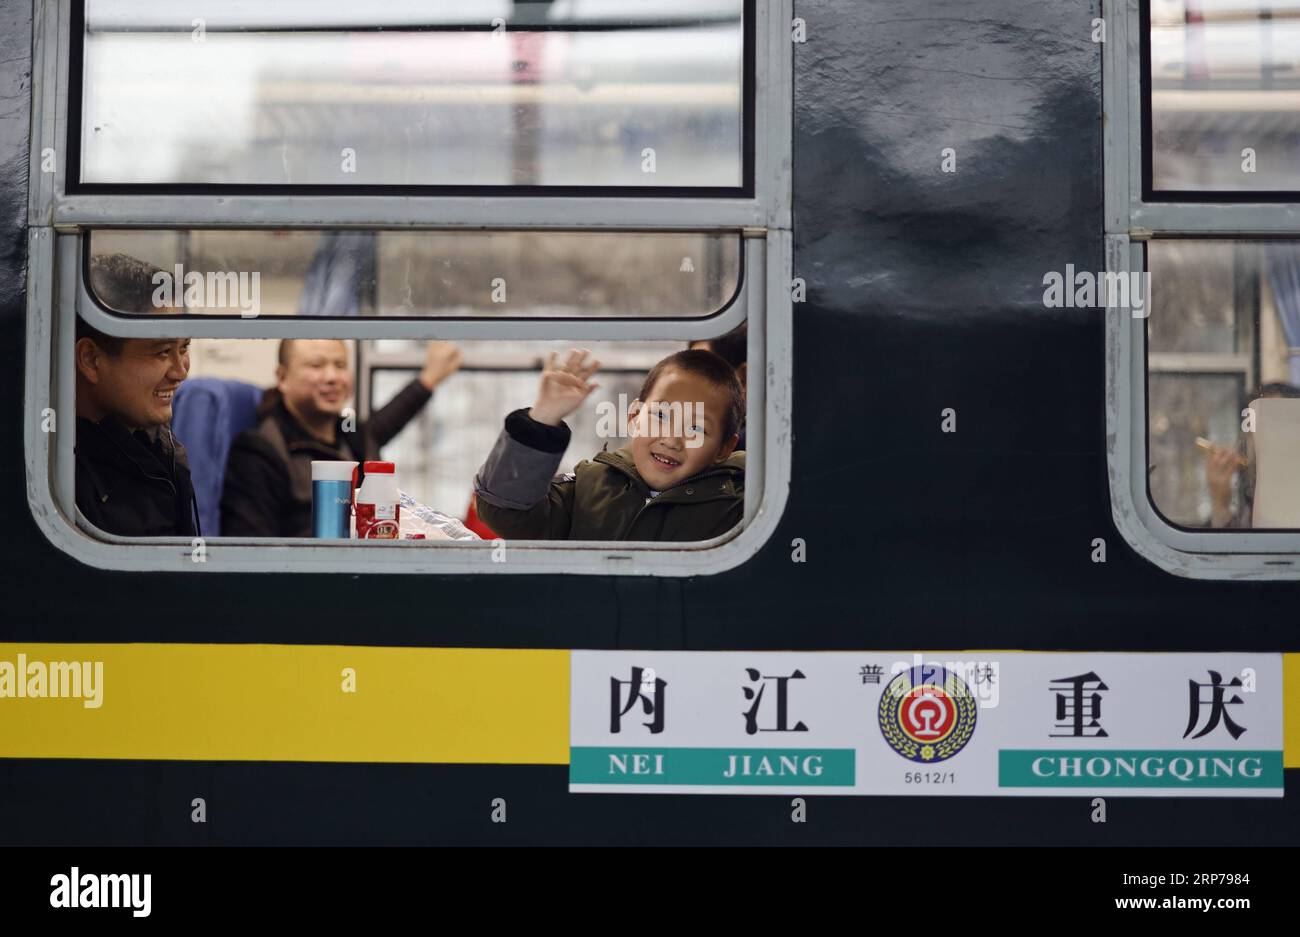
{"x": 767, "y": 207}
{"x": 56, "y": 294}
{"x": 1130, "y": 221}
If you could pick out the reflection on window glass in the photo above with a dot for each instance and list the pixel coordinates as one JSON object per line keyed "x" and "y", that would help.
{"x": 1225, "y": 95}
{"x": 422, "y": 273}
{"x": 1223, "y": 343}
{"x": 1197, "y": 296}
{"x": 645, "y": 93}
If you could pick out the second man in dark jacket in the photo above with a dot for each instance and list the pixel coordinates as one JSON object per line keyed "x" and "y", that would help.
{"x": 268, "y": 476}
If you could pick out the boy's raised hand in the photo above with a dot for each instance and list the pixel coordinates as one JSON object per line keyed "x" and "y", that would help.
{"x": 565, "y": 385}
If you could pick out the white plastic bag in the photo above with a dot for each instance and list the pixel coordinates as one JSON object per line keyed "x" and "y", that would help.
{"x": 417, "y": 518}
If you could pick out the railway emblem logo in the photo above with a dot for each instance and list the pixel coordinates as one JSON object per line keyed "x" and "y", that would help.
{"x": 927, "y": 713}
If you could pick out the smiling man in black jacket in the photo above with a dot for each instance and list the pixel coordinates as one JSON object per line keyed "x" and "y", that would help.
{"x": 132, "y": 477}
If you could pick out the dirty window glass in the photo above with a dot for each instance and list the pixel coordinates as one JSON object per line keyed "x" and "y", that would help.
{"x": 415, "y": 274}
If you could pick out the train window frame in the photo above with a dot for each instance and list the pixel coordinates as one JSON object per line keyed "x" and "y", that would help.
{"x": 763, "y": 202}
{"x": 57, "y": 293}
{"x": 1132, "y": 218}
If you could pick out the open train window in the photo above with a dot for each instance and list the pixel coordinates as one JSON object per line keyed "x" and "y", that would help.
{"x": 517, "y": 177}
{"x": 1203, "y": 284}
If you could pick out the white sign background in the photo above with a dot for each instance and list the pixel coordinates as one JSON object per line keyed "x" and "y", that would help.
{"x": 1146, "y": 708}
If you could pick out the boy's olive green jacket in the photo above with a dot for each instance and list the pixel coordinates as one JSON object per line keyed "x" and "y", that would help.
{"x": 605, "y": 498}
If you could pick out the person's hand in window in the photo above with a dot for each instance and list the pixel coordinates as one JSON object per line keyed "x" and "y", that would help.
{"x": 564, "y": 386}
{"x": 1221, "y": 466}
{"x": 441, "y": 361}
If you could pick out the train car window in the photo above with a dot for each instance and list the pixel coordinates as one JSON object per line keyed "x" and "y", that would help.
{"x": 242, "y": 422}
{"x": 459, "y": 93}
{"x": 417, "y": 274}
{"x": 1202, "y": 283}
{"x": 406, "y": 234}
{"x": 1224, "y": 96}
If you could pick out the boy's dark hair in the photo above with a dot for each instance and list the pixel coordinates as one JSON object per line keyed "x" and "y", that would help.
{"x": 123, "y": 283}
{"x": 712, "y": 368}
{"x": 732, "y": 347}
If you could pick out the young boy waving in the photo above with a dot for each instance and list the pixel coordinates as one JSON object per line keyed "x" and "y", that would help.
{"x": 680, "y": 478}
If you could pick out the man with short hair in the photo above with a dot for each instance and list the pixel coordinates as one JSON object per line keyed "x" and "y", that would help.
{"x": 132, "y": 476}
{"x": 268, "y": 488}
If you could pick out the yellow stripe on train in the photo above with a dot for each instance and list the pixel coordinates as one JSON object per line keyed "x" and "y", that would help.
{"x": 286, "y": 703}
